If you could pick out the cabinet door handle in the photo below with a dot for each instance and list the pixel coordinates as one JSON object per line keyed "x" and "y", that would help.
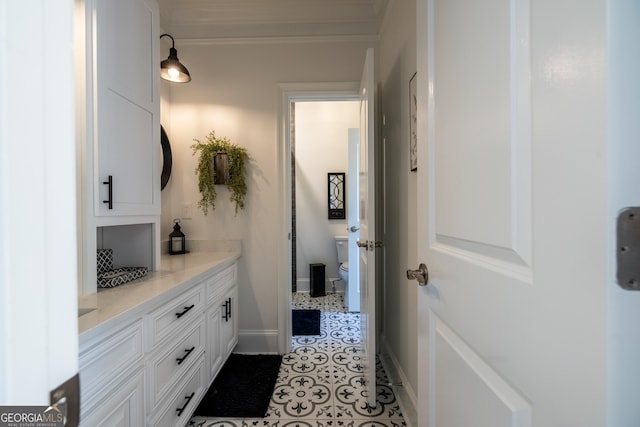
{"x": 109, "y": 184}
{"x": 226, "y": 315}
{"x": 181, "y": 410}
{"x": 186, "y": 354}
{"x": 186, "y": 309}
{"x": 229, "y": 307}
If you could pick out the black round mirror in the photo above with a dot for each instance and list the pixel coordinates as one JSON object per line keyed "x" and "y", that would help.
{"x": 167, "y": 160}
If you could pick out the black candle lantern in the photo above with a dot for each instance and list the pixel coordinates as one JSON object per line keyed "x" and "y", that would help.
{"x": 177, "y": 240}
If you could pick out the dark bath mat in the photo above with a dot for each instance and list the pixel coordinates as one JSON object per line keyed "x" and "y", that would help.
{"x": 243, "y": 387}
{"x": 306, "y": 322}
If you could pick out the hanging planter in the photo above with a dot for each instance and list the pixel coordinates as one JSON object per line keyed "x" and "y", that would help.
{"x": 220, "y": 163}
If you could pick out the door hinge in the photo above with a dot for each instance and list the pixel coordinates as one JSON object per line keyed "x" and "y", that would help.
{"x": 66, "y": 398}
{"x": 628, "y": 249}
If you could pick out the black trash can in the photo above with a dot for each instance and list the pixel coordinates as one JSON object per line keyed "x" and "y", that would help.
{"x": 317, "y": 280}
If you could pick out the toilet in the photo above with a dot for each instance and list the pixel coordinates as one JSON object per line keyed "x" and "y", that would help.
{"x": 343, "y": 260}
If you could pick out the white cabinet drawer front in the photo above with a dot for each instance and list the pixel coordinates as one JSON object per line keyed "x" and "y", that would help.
{"x": 170, "y": 366}
{"x": 121, "y": 406}
{"x": 220, "y": 282}
{"x": 177, "y": 313}
{"x": 104, "y": 358}
{"x": 180, "y": 406}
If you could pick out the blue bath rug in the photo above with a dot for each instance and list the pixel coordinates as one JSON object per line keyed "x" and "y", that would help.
{"x": 306, "y": 322}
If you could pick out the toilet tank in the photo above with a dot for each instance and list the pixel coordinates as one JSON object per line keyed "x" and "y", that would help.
{"x": 342, "y": 245}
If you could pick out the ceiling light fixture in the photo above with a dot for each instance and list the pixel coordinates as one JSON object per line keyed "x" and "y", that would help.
{"x": 171, "y": 69}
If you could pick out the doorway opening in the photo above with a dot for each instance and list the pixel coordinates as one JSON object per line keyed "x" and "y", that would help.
{"x": 320, "y": 173}
{"x": 315, "y": 119}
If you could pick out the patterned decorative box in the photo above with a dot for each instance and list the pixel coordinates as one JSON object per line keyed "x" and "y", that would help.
{"x": 108, "y": 277}
{"x": 105, "y": 260}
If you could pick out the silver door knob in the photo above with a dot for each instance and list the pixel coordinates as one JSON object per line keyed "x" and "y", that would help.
{"x": 364, "y": 244}
{"x": 353, "y": 228}
{"x": 421, "y": 275}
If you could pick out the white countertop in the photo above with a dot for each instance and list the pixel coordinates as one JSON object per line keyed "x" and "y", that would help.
{"x": 175, "y": 273}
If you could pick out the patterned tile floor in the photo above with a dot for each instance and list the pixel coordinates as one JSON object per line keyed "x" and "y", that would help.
{"x": 320, "y": 383}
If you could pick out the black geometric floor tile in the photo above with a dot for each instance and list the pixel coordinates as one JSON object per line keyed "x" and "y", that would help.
{"x": 321, "y": 382}
{"x": 303, "y": 396}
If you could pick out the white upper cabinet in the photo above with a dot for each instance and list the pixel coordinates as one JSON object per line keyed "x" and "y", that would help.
{"x": 126, "y": 107}
{"x": 118, "y": 132}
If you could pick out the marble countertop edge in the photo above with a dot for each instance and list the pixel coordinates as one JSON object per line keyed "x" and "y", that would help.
{"x": 123, "y": 303}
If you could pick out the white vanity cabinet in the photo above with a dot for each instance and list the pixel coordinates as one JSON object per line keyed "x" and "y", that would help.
{"x": 153, "y": 366}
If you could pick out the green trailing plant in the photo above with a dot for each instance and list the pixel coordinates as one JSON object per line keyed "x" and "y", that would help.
{"x": 235, "y": 179}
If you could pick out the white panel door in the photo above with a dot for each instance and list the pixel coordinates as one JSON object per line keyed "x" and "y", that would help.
{"x": 512, "y": 213}
{"x": 367, "y": 229}
{"x": 38, "y": 251}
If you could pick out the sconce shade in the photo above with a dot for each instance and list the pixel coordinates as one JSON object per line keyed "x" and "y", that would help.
{"x": 171, "y": 69}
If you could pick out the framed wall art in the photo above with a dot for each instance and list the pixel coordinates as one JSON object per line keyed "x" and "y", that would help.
{"x": 337, "y": 201}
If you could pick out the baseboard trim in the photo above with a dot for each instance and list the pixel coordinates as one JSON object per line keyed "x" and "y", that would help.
{"x": 257, "y": 341}
{"x": 404, "y": 393}
{"x": 303, "y": 285}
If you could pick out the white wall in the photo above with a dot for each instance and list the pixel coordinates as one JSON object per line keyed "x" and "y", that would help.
{"x": 396, "y": 66}
{"x": 321, "y": 146}
{"x": 234, "y": 91}
{"x": 165, "y": 121}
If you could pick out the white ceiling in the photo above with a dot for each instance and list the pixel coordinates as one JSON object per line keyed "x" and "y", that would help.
{"x": 206, "y": 19}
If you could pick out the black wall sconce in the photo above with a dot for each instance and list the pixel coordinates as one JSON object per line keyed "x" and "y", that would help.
{"x": 336, "y": 195}
{"x": 171, "y": 69}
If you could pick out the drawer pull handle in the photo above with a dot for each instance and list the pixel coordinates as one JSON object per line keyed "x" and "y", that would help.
{"x": 227, "y": 310}
{"x": 186, "y": 354}
{"x": 224, "y": 316}
{"x": 181, "y": 410}
{"x": 186, "y": 309}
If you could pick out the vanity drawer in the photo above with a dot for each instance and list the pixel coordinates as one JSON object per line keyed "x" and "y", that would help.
{"x": 170, "y": 366}
{"x": 180, "y": 406}
{"x": 175, "y": 314}
{"x": 217, "y": 284}
{"x": 104, "y": 359}
{"x": 122, "y": 405}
